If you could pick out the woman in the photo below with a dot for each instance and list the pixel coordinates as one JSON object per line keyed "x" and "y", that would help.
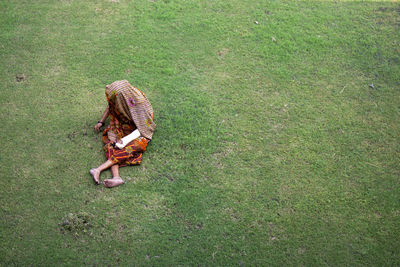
{"x": 129, "y": 110}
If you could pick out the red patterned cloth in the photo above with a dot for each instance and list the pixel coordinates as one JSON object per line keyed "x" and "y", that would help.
{"x": 131, "y": 154}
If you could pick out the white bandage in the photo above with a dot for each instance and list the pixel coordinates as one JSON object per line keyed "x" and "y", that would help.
{"x": 130, "y": 137}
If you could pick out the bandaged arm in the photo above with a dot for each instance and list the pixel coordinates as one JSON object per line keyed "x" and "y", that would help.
{"x": 130, "y": 137}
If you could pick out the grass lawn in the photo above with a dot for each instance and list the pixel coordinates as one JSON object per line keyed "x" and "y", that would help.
{"x": 277, "y": 140}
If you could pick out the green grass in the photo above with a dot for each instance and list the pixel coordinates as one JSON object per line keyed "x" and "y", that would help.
{"x": 271, "y": 148}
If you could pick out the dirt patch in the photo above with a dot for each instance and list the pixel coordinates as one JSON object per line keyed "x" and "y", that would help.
{"x": 20, "y": 78}
{"x": 76, "y": 224}
{"x": 223, "y": 52}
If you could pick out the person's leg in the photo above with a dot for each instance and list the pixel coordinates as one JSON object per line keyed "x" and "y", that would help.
{"x": 115, "y": 170}
{"x": 130, "y": 155}
{"x": 116, "y": 180}
{"x": 95, "y": 172}
{"x": 106, "y": 165}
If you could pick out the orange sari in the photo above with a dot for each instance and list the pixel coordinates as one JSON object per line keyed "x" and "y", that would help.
{"x": 119, "y": 127}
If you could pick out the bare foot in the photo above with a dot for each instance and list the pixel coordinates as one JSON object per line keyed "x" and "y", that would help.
{"x": 96, "y": 175}
{"x": 116, "y": 181}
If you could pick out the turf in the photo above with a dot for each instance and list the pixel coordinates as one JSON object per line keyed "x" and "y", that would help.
{"x": 277, "y": 140}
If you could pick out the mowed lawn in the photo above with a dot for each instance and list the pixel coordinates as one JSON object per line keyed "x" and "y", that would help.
{"x": 277, "y": 140}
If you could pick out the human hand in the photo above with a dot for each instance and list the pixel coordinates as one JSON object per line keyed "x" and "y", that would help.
{"x": 98, "y": 126}
{"x": 119, "y": 144}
